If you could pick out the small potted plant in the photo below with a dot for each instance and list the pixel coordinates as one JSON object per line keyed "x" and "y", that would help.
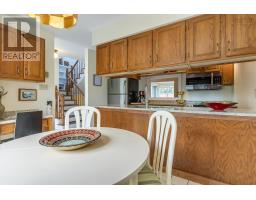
{"x": 2, "y": 108}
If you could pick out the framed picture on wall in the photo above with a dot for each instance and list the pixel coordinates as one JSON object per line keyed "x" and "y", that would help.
{"x": 97, "y": 80}
{"x": 27, "y": 94}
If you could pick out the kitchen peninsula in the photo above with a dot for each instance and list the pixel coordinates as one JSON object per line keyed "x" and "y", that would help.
{"x": 211, "y": 147}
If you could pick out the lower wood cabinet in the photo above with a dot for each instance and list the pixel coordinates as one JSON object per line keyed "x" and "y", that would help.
{"x": 209, "y": 148}
{"x": 7, "y": 130}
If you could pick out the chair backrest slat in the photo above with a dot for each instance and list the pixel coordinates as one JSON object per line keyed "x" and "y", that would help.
{"x": 83, "y": 116}
{"x": 163, "y": 122}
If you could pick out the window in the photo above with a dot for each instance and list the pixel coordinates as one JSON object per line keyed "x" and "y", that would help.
{"x": 166, "y": 88}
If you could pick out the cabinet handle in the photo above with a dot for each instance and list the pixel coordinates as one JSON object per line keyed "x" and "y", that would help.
{"x": 150, "y": 59}
{"x": 218, "y": 47}
{"x": 18, "y": 69}
{"x": 156, "y": 57}
{"x": 26, "y": 71}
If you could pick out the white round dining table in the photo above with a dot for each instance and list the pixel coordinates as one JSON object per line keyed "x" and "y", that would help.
{"x": 115, "y": 158}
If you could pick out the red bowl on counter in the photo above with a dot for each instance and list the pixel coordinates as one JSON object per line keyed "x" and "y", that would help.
{"x": 220, "y": 106}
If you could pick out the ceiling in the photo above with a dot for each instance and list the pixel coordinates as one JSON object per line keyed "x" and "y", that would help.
{"x": 72, "y": 42}
{"x": 80, "y": 34}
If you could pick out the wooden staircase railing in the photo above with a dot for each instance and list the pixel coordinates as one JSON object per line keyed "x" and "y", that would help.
{"x": 72, "y": 88}
{"x": 59, "y": 107}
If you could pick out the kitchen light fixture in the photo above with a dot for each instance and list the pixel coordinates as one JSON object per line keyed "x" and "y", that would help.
{"x": 56, "y": 20}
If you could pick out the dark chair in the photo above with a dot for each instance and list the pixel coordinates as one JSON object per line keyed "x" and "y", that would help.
{"x": 28, "y": 123}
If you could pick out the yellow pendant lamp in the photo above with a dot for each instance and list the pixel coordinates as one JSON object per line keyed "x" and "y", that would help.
{"x": 56, "y": 20}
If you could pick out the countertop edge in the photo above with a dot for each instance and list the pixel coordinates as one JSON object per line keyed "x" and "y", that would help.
{"x": 11, "y": 121}
{"x": 196, "y": 111}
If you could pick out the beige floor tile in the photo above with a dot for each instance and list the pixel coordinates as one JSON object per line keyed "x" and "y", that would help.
{"x": 179, "y": 181}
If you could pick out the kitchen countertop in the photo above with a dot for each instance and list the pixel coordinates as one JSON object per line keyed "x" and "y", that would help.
{"x": 10, "y": 116}
{"x": 192, "y": 110}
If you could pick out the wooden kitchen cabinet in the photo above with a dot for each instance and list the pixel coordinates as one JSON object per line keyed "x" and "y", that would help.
{"x": 7, "y": 130}
{"x": 209, "y": 149}
{"x": 227, "y": 74}
{"x": 240, "y": 35}
{"x": 12, "y": 69}
{"x": 35, "y": 70}
{"x": 103, "y": 59}
{"x": 118, "y": 56}
{"x": 169, "y": 45}
{"x": 204, "y": 38}
{"x": 22, "y": 69}
{"x": 140, "y": 50}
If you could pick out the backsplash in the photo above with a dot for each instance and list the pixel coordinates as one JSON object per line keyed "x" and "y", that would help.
{"x": 224, "y": 94}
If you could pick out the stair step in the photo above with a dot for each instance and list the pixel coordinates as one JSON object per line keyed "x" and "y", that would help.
{"x": 69, "y": 102}
{"x": 68, "y": 107}
{"x": 67, "y": 97}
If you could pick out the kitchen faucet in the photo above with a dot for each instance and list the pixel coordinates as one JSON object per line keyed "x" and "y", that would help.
{"x": 146, "y": 96}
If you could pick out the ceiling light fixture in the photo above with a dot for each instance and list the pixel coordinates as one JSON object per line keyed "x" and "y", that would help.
{"x": 56, "y": 20}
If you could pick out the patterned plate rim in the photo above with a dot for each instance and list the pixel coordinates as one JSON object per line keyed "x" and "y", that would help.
{"x": 73, "y": 145}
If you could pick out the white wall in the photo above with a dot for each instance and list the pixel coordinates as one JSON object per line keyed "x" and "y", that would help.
{"x": 134, "y": 24}
{"x": 94, "y": 95}
{"x": 69, "y": 49}
{"x": 245, "y": 84}
{"x": 10, "y": 101}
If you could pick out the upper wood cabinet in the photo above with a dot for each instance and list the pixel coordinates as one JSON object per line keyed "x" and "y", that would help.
{"x": 169, "y": 45}
{"x": 240, "y": 35}
{"x": 204, "y": 42}
{"x": 205, "y": 39}
{"x": 10, "y": 68}
{"x": 35, "y": 70}
{"x": 32, "y": 69}
{"x": 227, "y": 74}
{"x": 118, "y": 56}
{"x": 140, "y": 51}
{"x": 103, "y": 59}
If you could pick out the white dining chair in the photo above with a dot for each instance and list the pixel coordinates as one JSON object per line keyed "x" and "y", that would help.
{"x": 83, "y": 117}
{"x": 153, "y": 174}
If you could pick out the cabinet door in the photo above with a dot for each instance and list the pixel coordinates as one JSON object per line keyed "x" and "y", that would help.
{"x": 11, "y": 68}
{"x": 140, "y": 51}
{"x": 118, "y": 56}
{"x": 204, "y": 37}
{"x": 35, "y": 70}
{"x": 103, "y": 59}
{"x": 227, "y": 74}
{"x": 240, "y": 35}
{"x": 169, "y": 45}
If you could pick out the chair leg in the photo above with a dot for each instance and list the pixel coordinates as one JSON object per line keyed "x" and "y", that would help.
{"x": 134, "y": 180}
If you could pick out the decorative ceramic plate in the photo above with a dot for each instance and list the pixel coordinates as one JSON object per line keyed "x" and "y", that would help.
{"x": 70, "y": 139}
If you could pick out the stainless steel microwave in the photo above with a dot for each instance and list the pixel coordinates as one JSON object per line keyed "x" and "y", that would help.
{"x": 204, "y": 81}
